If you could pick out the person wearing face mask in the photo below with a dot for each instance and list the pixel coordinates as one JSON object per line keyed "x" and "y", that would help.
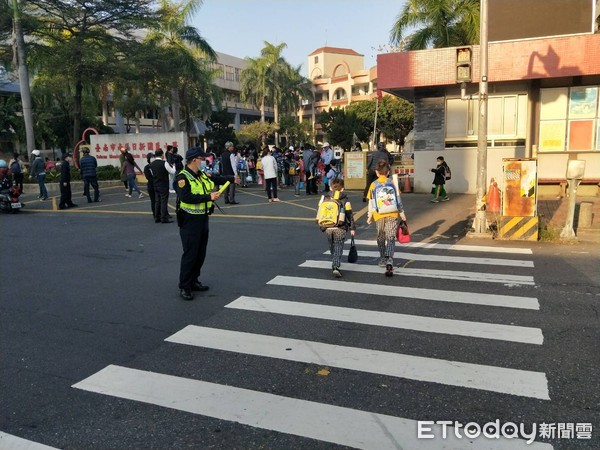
{"x": 195, "y": 196}
{"x": 439, "y": 180}
{"x": 160, "y": 171}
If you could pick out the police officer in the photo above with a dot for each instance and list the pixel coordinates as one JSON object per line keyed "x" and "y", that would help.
{"x": 195, "y": 197}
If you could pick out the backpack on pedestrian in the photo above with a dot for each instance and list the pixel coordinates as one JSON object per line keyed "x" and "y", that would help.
{"x": 294, "y": 168}
{"x": 15, "y": 167}
{"x": 447, "y": 171}
{"x": 385, "y": 197}
{"x": 330, "y": 213}
{"x": 242, "y": 165}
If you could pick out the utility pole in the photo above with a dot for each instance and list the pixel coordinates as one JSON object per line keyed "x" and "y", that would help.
{"x": 480, "y": 223}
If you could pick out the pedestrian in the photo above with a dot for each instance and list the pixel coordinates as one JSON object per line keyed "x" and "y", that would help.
{"x": 335, "y": 171}
{"x": 242, "y": 167}
{"x": 269, "y": 167}
{"x": 175, "y": 160}
{"x": 88, "y": 166}
{"x": 326, "y": 157}
{"x": 306, "y": 156}
{"x": 336, "y": 230}
{"x": 439, "y": 180}
{"x": 161, "y": 171}
{"x": 385, "y": 206}
{"x": 49, "y": 165}
{"x": 65, "y": 183}
{"x": 229, "y": 168}
{"x": 380, "y": 155}
{"x": 17, "y": 169}
{"x": 122, "y": 161}
{"x": 130, "y": 166}
{"x": 296, "y": 171}
{"x": 150, "y": 185}
{"x": 38, "y": 172}
{"x": 252, "y": 164}
{"x": 312, "y": 172}
{"x": 195, "y": 199}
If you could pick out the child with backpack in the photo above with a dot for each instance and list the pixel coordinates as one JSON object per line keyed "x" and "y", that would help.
{"x": 442, "y": 173}
{"x": 294, "y": 171}
{"x": 384, "y": 208}
{"x": 334, "y": 217}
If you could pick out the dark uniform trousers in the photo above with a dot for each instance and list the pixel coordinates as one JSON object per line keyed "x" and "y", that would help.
{"x": 194, "y": 238}
{"x": 65, "y": 195}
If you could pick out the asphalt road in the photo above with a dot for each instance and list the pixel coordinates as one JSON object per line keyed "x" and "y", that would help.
{"x": 99, "y": 352}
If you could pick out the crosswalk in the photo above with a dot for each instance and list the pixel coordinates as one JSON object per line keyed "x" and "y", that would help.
{"x": 310, "y": 294}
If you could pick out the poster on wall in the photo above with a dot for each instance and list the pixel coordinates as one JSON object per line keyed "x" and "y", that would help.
{"x": 581, "y": 134}
{"x": 583, "y": 102}
{"x": 519, "y": 188}
{"x": 105, "y": 147}
{"x": 552, "y": 135}
{"x": 355, "y": 165}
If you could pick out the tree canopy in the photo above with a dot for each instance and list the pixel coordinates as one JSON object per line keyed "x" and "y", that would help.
{"x": 438, "y": 23}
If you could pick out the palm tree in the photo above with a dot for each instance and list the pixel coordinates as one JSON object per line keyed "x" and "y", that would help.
{"x": 254, "y": 84}
{"x": 443, "y": 23}
{"x": 295, "y": 87}
{"x": 184, "y": 45}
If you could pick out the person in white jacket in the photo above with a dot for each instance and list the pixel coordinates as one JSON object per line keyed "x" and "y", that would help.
{"x": 269, "y": 166}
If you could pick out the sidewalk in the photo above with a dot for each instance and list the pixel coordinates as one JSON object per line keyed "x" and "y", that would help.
{"x": 553, "y": 215}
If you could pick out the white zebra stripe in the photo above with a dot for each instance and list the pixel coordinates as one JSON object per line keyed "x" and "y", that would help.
{"x": 448, "y": 259}
{"x": 454, "y": 373}
{"x": 10, "y": 442}
{"x": 454, "y": 247}
{"x": 429, "y": 273}
{"x": 328, "y": 423}
{"x": 482, "y": 330}
{"x": 473, "y": 298}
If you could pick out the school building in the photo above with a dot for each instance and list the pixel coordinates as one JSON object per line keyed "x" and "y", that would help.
{"x": 543, "y": 97}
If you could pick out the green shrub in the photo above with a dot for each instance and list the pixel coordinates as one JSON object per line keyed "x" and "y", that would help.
{"x": 108, "y": 173}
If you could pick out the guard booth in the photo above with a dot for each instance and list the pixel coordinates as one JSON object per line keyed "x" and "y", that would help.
{"x": 519, "y": 220}
{"x": 355, "y": 170}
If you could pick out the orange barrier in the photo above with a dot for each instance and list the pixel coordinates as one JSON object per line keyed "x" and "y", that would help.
{"x": 406, "y": 187}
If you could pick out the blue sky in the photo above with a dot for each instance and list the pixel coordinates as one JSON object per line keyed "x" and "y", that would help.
{"x": 239, "y": 27}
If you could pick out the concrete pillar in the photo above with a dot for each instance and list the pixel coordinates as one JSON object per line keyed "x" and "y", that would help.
{"x": 585, "y": 215}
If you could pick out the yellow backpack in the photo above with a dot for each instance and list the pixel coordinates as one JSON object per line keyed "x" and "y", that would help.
{"x": 330, "y": 212}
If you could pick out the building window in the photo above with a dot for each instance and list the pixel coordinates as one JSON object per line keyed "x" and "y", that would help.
{"x": 237, "y": 74}
{"x": 316, "y": 60}
{"x": 569, "y": 119}
{"x": 340, "y": 94}
{"x": 229, "y": 73}
{"x": 507, "y": 118}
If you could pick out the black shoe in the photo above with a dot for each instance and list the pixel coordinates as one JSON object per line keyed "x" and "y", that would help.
{"x": 199, "y": 287}
{"x": 62, "y": 207}
{"x": 72, "y": 205}
{"x": 156, "y": 220}
{"x": 234, "y": 203}
{"x": 169, "y": 216}
{"x": 389, "y": 270}
{"x": 186, "y": 294}
{"x": 167, "y": 221}
{"x": 226, "y": 202}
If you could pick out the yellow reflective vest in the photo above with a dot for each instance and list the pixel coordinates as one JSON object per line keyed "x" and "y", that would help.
{"x": 199, "y": 186}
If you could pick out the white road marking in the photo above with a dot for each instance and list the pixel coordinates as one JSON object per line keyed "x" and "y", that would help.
{"x": 10, "y": 442}
{"x": 455, "y": 247}
{"x": 483, "y": 330}
{"x": 473, "y": 298}
{"x": 429, "y": 273}
{"x": 524, "y": 383}
{"x": 328, "y": 423}
{"x": 447, "y": 259}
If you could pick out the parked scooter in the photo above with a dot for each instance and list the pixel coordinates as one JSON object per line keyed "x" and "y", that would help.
{"x": 9, "y": 199}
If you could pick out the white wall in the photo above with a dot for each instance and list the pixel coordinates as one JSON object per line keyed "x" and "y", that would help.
{"x": 463, "y": 162}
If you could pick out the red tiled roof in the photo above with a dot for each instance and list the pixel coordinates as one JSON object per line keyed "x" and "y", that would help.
{"x": 341, "y": 51}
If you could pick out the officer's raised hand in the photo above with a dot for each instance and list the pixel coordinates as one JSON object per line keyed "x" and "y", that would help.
{"x": 214, "y": 196}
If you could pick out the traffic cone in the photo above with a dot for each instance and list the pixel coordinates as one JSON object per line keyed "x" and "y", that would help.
{"x": 493, "y": 198}
{"x": 406, "y": 187}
